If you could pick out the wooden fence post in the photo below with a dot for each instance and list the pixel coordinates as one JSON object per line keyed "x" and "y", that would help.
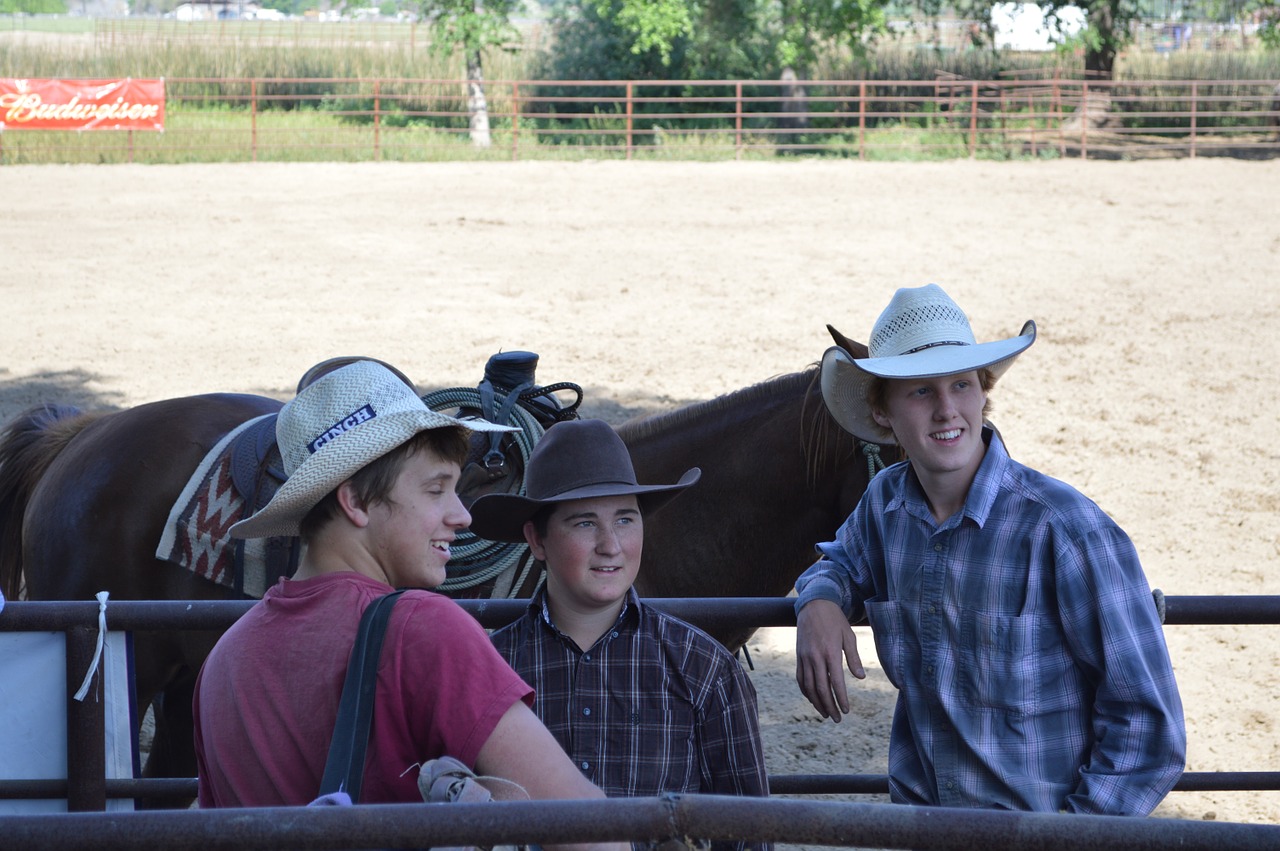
{"x": 515, "y": 121}
{"x": 1193, "y": 120}
{"x": 629, "y": 92}
{"x": 1055, "y": 113}
{"x": 253, "y": 119}
{"x": 1084, "y": 119}
{"x": 862, "y": 119}
{"x": 737, "y": 121}
{"x": 973, "y": 119}
{"x": 377, "y": 120}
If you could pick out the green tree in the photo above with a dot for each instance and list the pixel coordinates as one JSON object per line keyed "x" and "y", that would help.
{"x": 1108, "y": 25}
{"x": 793, "y": 31}
{"x": 700, "y": 39}
{"x": 472, "y": 26}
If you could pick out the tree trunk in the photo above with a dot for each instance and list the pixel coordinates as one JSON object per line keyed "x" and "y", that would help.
{"x": 1100, "y": 61}
{"x": 477, "y": 107}
{"x": 795, "y": 103}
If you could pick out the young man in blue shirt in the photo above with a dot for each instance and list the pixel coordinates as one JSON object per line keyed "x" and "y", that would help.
{"x": 1011, "y": 613}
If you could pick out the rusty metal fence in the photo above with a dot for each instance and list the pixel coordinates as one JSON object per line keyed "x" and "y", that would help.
{"x": 329, "y": 119}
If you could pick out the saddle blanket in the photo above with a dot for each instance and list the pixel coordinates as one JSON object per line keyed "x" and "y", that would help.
{"x": 197, "y": 532}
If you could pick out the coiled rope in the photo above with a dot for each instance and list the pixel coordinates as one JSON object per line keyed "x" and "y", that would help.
{"x": 474, "y": 560}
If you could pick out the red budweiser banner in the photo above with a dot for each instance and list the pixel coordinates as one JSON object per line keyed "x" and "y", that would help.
{"x": 81, "y": 104}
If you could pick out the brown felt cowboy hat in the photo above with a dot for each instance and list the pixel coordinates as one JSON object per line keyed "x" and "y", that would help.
{"x": 575, "y": 459}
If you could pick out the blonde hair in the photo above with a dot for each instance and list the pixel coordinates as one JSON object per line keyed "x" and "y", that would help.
{"x": 878, "y": 389}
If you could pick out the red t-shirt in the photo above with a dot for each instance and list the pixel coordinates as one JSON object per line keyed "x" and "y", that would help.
{"x": 266, "y": 699}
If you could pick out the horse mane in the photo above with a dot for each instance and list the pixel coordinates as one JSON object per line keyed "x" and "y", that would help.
{"x": 28, "y": 445}
{"x": 769, "y": 389}
{"x": 823, "y": 441}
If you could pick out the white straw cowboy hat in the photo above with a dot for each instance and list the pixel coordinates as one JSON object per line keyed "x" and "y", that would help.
{"x": 575, "y": 459}
{"x": 921, "y": 334}
{"x": 333, "y": 428}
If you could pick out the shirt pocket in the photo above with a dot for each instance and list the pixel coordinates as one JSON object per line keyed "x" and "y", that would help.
{"x": 890, "y": 633}
{"x": 658, "y": 752}
{"x": 999, "y": 662}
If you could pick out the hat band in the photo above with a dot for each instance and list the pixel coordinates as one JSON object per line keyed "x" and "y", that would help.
{"x": 934, "y": 346}
{"x": 343, "y": 425}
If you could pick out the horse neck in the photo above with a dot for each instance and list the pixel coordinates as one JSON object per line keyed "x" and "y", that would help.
{"x": 778, "y": 476}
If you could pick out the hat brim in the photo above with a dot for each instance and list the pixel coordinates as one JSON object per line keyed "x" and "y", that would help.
{"x": 844, "y": 379}
{"x": 323, "y": 471}
{"x": 501, "y": 516}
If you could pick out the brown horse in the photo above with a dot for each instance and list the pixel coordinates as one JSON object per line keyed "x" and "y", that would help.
{"x": 84, "y": 498}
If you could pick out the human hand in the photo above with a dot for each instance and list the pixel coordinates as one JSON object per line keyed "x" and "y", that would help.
{"x": 822, "y": 635}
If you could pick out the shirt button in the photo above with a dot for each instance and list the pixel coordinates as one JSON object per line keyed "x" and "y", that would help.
{"x": 587, "y": 657}
{"x": 937, "y": 548}
{"x": 613, "y": 634}
{"x": 585, "y": 766}
{"x": 932, "y": 609}
{"x": 586, "y": 710}
{"x": 951, "y": 785}
{"x": 931, "y": 669}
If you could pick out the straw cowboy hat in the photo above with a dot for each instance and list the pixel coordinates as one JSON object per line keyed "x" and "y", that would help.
{"x": 334, "y": 427}
{"x": 921, "y": 334}
{"x": 575, "y": 459}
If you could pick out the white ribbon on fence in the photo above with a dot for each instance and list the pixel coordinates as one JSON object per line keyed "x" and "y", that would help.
{"x": 98, "y": 651}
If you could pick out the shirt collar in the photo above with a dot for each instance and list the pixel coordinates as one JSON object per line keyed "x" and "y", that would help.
{"x": 982, "y": 492}
{"x": 629, "y": 616}
{"x": 986, "y": 484}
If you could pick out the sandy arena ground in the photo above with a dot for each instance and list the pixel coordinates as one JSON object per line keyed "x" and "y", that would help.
{"x": 1152, "y": 387}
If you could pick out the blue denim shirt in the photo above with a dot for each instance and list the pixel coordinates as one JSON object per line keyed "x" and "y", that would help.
{"x": 1021, "y": 634}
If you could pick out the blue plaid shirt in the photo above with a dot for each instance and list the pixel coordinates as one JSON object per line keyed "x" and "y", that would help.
{"x": 1021, "y": 634}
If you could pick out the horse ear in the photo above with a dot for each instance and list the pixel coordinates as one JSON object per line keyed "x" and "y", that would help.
{"x": 854, "y": 348}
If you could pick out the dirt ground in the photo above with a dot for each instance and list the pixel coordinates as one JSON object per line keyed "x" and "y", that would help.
{"x": 1152, "y": 387}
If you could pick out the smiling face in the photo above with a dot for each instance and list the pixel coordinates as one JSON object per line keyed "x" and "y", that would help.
{"x": 938, "y": 421}
{"x": 410, "y": 530}
{"x": 592, "y": 550}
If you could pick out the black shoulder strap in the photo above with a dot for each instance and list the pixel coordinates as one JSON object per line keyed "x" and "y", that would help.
{"x": 344, "y": 769}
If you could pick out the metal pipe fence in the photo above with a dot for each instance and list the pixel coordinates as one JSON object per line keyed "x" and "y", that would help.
{"x": 86, "y": 787}
{"x": 670, "y": 817}
{"x": 332, "y": 119}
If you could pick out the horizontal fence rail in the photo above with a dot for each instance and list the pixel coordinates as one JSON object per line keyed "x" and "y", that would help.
{"x": 87, "y": 789}
{"x": 332, "y": 119}
{"x": 671, "y": 817}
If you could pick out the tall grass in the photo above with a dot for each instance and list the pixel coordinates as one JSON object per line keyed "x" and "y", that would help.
{"x": 170, "y": 53}
{"x": 905, "y": 62}
{"x": 1200, "y": 65}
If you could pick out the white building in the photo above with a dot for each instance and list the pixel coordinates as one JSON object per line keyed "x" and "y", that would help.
{"x": 216, "y": 10}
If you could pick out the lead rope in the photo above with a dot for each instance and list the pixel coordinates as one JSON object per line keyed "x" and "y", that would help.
{"x": 875, "y": 463}
{"x": 474, "y": 560}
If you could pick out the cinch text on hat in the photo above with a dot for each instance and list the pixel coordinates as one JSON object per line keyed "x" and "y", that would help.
{"x": 346, "y": 423}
